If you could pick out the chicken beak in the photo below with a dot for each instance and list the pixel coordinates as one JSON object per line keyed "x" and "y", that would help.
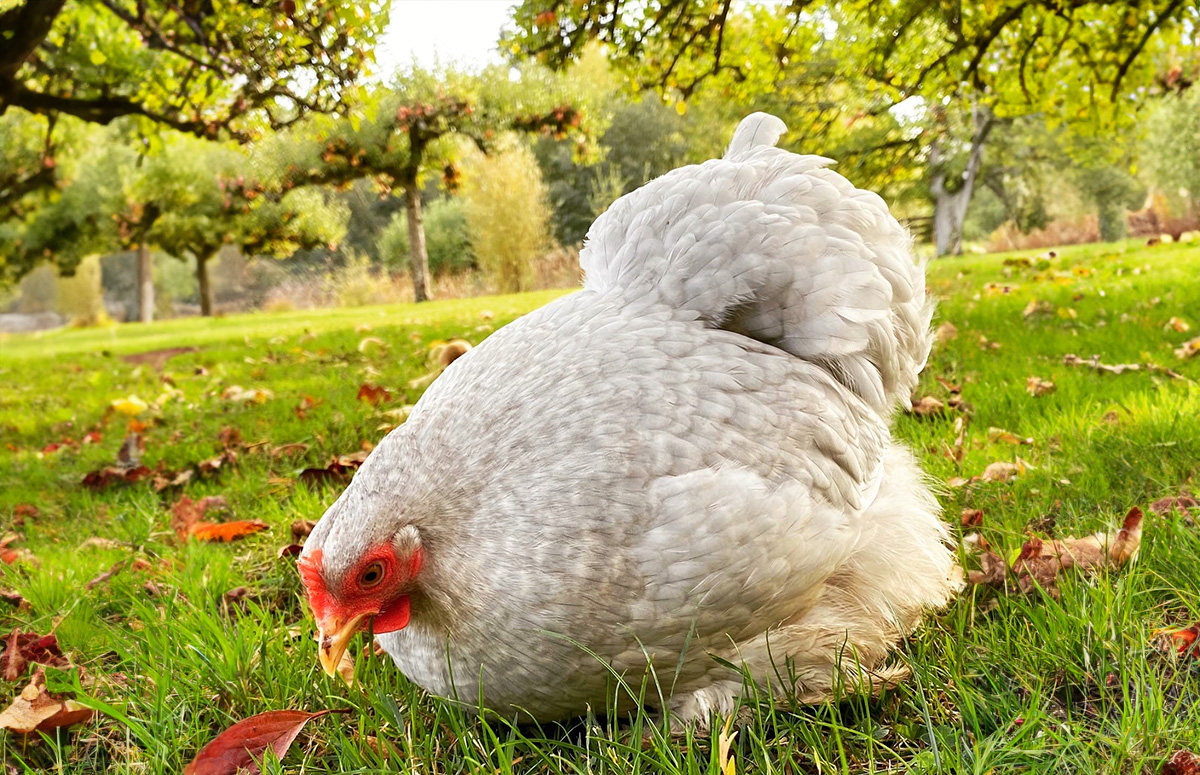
{"x": 332, "y": 643}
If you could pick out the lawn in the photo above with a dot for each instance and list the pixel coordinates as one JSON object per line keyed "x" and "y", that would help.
{"x": 184, "y": 637}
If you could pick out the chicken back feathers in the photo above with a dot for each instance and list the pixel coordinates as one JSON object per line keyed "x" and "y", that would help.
{"x": 688, "y": 459}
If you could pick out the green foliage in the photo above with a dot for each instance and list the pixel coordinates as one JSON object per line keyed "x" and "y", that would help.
{"x": 508, "y": 217}
{"x": 200, "y": 67}
{"x": 1172, "y": 146}
{"x": 446, "y": 238}
{"x": 80, "y": 297}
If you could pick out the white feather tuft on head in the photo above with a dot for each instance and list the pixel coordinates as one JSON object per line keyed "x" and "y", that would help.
{"x": 756, "y": 129}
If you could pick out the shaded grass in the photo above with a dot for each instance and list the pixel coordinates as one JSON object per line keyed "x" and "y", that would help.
{"x": 1018, "y": 684}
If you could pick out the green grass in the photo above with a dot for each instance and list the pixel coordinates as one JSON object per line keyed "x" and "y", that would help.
{"x": 1000, "y": 684}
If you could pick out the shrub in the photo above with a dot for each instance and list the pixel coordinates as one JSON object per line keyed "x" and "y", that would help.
{"x": 446, "y": 240}
{"x": 507, "y": 215}
{"x": 80, "y": 297}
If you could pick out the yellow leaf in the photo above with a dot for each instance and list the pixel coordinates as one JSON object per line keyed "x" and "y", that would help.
{"x": 131, "y": 405}
{"x": 97, "y": 57}
{"x": 681, "y": 107}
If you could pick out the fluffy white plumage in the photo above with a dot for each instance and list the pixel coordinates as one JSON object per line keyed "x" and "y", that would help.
{"x": 693, "y": 452}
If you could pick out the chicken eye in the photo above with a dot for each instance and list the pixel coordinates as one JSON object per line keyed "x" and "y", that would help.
{"x": 371, "y": 575}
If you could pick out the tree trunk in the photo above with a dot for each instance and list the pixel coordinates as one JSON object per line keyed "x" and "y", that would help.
{"x": 206, "y": 301}
{"x": 145, "y": 283}
{"x": 950, "y": 207}
{"x": 418, "y": 259}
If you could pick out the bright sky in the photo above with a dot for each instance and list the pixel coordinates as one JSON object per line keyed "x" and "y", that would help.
{"x": 460, "y": 31}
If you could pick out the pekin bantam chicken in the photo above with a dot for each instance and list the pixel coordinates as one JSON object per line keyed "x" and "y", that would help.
{"x": 687, "y": 464}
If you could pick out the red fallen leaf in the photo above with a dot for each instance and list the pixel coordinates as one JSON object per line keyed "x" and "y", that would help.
{"x": 21, "y": 648}
{"x": 373, "y": 394}
{"x": 239, "y": 748}
{"x": 104, "y": 478}
{"x": 213, "y": 464}
{"x": 1181, "y": 763}
{"x": 187, "y": 512}
{"x": 37, "y": 710}
{"x": 291, "y": 550}
{"x": 8, "y": 555}
{"x": 1185, "y": 642}
{"x": 12, "y": 597}
{"x": 23, "y": 510}
{"x": 53, "y": 446}
{"x": 226, "y": 531}
{"x": 972, "y": 517}
{"x": 230, "y": 437}
{"x": 93, "y": 437}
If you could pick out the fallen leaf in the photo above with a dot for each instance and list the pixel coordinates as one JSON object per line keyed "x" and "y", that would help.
{"x": 1179, "y": 503}
{"x": 340, "y": 469}
{"x": 240, "y": 748}
{"x": 289, "y": 550}
{"x": 23, "y": 510}
{"x": 163, "y": 480}
{"x": 1182, "y": 642}
{"x": 972, "y": 517}
{"x": 1002, "y": 472}
{"x": 367, "y": 341}
{"x": 23, "y": 648}
{"x": 999, "y": 435}
{"x": 239, "y": 395}
{"x": 12, "y": 597}
{"x": 37, "y": 710}
{"x": 1041, "y": 561}
{"x": 373, "y": 394}
{"x": 445, "y": 353}
{"x": 1188, "y": 349}
{"x": 1035, "y": 307}
{"x": 306, "y": 403}
{"x": 1179, "y": 324}
{"x": 104, "y": 478}
{"x": 228, "y": 457}
{"x": 927, "y": 406}
{"x": 345, "y": 668}
{"x": 1181, "y": 763}
{"x": 945, "y": 332}
{"x": 1036, "y": 386}
{"x": 185, "y": 512}
{"x": 226, "y": 531}
{"x": 302, "y": 528}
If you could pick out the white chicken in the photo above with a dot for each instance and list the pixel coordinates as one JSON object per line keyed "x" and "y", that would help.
{"x": 687, "y": 464}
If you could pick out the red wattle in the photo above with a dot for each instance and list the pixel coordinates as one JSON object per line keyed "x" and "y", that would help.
{"x": 392, "y": 618}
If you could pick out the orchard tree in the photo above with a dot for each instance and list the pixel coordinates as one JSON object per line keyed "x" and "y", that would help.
{"x": 198, "y": 66}
{"x": 1087, "y": 61}
{"x": 416, "y": 127}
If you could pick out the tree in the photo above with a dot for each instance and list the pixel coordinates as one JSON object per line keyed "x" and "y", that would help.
{"x": 1088, "y": 61}
{"x": 230, "y": 70}
{"x": 508, "y": 218}
{"x": 417, "y": 126}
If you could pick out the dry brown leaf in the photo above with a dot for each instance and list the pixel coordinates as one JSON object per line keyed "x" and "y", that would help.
{"x": 106, "y": 575}
{"x": 1036, "y": 386}
{"x": 999, "y": 435}
{"x": 289, "y": 550}
{"x": 367, "y": 341}
{"x": 1003, "y": 472}
{"x": 238, "y": 749}
{"x": 927, "y": 406}
{"x": 1181, "y": 503}
{"x": 1041, "y": 561}
{"x": 945, "y": 332}
{"x": 1188, "y": 349}
{"x": 972, "y": 517}
{"x": 302, "y": 528}
{"x": 37, "y": 710}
